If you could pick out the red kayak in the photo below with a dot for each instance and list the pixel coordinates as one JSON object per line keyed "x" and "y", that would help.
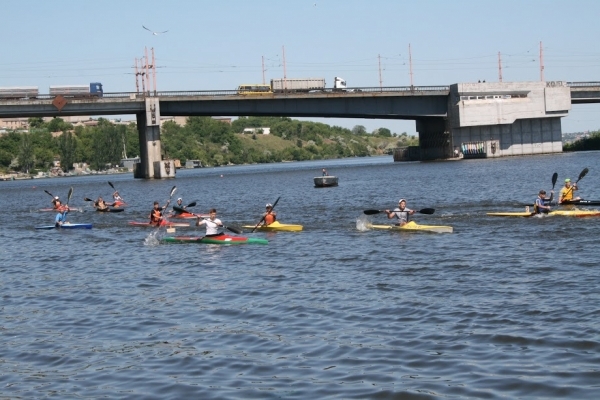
{"x": 188, "y": 215}
{"x": 165, "y": 223}
{"x": 119, "y": 203}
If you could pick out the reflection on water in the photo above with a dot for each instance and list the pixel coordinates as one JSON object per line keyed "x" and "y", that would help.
{"x": 501, "y": 308}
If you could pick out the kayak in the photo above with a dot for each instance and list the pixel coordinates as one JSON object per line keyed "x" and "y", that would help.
{"x": 188, "y": 215}
{"x": 580, "y": 203}
{"x": 119, "y": 203}
{"x": 66, "y": 226}
{"x": 412, "y": 226}
{"x": 276, "y": 226}
{"x": 72, "y": 209}
{"x": 218, "y": 239}
{"x": 564, "y": 213}
{"x": 168, "y": 224}
{"x": 110, "y": 210}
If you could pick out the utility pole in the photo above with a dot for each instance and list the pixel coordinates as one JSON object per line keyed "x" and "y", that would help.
{"x": 499, "y": 67}
{"x": 137, "y": 84}
{"x": 263, "y": 68}
{"x": 410, "y": 64}
{"x": 284, "y": 72}
{"x": 380, "y": 80}
{"x": 541, "y": 63}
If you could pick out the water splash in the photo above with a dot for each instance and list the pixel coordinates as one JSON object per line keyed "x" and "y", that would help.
{"x": 153, "y": 238}
{"x": 362, "y": 223}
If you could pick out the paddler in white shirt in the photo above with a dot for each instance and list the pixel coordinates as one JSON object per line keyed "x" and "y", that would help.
{"x": 400, "y": 212}
{"x": 212, "y": 223}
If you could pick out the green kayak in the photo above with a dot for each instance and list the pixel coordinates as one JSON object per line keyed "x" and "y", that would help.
{"x": 217, "y": 239}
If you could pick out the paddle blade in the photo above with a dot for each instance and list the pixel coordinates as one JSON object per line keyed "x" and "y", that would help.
{"x": 49, "y": 193}
{"x": 70, "y": 194}
{"x": 111, "y": 185}
{"x": 582, "y": 174}
{"x": 233, "y": 229}
{"x": 372, "y": 212}
{"x": 428, "y": 211}
{"x": 87, "y": 199}
{"x": 173, "y": 191}
{"x": 192, "y": 204}
{"x": 554, "y": 178}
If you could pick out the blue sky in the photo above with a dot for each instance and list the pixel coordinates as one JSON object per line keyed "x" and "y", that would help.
{"x": 220, "y": 44}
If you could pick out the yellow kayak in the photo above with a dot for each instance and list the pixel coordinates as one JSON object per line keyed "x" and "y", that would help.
{"x": 276, "y": 226}
{"x": 564, "y": 213}
{"x": 412, "y": 226}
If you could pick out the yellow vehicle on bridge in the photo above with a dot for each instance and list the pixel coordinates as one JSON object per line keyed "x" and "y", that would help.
{"x": 257, "y": 89}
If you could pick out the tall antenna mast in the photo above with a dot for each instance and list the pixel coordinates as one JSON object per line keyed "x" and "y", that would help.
{"x": 284, "y": 73}
{"x": 380, "y": 80}
{"x": 153, "y": 71}
{"x": 147, "y": 73}
{"x": 410, "y": 64}
{"x": 499, "y": 67}
{"x": 541, "y": 63}
{"x": 263, "y": 68}
{"x": 137, "y": 74}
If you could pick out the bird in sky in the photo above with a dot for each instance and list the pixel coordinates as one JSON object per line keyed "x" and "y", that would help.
{"x": 154, "y": 33}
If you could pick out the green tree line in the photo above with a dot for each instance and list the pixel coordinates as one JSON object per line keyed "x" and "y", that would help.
{"x": 211, "y": 141}
{"x": 592, "y": 142}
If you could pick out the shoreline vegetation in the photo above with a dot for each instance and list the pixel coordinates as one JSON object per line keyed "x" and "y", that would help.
{"x": 57, "y": 148}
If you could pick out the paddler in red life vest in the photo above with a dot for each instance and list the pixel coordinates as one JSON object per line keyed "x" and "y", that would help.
{"x": 156, "y": 214}
{"x": 56, "y": 204}
{"x": 400, "y": 212}
{"x": 117, "y": 199}
{"x": 269, "y": 216}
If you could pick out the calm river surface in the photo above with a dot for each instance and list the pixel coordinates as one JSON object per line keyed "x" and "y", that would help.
{"x": 501, "y": 308}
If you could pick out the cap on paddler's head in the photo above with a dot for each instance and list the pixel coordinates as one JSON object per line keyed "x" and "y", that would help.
{"x": 179, "y": 199}
{"x": 401, "y": 200}
{"x": 55, "y": 197}
{"x": 269, "y": 205}
{"x": 567, "y": 180}
{"x": 542, "y": 191}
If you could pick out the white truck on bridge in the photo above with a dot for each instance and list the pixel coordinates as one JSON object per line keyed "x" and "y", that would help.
{"x": 305, "y": 85}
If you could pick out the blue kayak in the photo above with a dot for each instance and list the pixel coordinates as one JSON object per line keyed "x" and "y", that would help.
{"x": 66, "y": 226}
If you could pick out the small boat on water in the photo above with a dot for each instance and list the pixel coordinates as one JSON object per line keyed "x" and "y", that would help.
{"x": 276, "y": 226}
{"x": 66, "y": 226}
{"x": 412, "y": 226}
{"x": 110, "y": 209}
{"x": 325, "y": 181}
{"x": 167, "y": 224}
{"x": 564, "y": 213}
{"x": 217, "y": 239}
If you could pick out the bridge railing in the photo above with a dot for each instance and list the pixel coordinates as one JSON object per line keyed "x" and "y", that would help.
{"x": 583, "y": 84}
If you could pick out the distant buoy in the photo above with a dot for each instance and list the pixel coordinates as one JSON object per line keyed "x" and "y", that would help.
{"x": 221, "y": 176}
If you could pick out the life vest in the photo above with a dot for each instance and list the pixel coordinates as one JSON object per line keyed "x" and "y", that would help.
{"x": 270, "y": 218}
{"x": 155, "y": 216}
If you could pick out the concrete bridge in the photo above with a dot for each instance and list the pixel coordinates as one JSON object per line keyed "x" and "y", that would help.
{"x": 473, "y": 119}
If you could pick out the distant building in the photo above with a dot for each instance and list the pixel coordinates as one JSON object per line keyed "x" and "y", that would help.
{"x": 264, "y": 131}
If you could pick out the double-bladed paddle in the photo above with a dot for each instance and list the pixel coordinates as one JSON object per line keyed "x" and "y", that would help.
{"x": 67, "y": 205}
{"x": 263, "y": 218}
{"x": 49, "y": 193}
{"x": 427, "y": 211}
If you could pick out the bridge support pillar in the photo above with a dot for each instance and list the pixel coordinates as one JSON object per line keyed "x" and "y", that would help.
{"x": 151, "y": 164}
{"x": 434, "y": 139}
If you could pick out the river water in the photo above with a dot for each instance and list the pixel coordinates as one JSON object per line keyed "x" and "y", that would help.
{"x": 501, "y": 308}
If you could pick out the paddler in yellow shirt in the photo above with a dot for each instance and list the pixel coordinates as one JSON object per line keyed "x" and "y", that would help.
{"x": 566, "y": 193}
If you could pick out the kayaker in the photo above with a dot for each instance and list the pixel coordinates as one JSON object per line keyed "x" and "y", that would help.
{"x": 156, "y": 214}
{"x": 100, "y": 204}
{"x": 400, "y": 212}
{"x": 541, "y": 203}
{"x": 118, "y": 200}
{"x": 212, "y": 223}
{"x": 56, "y": 204}
{"x": 566, "y": 193}
{"x": 270, "y": 215}
{"x": 61, "y": 217}
{"x": 180, "y": 205}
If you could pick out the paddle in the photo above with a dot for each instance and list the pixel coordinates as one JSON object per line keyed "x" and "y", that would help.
{"x": 427, "y": 211}
{"x": 49, "y": 193}
{"x": 67, "y": 205}
{"x": 263, "y": 218}
{"x": 111, "y": 185}
{"x": 183, "y": 210}
{"x": 173, "y": 189}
